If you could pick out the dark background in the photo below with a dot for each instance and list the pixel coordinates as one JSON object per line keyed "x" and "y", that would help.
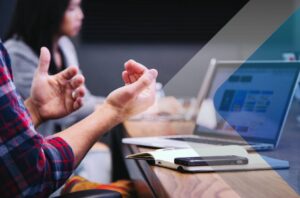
{"x": 160, "y": 34}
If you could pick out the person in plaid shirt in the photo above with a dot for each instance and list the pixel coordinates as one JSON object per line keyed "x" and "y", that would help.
{"x": 34, "y": 166}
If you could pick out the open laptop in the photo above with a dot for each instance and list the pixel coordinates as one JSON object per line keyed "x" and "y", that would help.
{"x": 240, "y": 104}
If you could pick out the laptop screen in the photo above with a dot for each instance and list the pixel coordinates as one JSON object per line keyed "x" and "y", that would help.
{"x": 250, "y": 102}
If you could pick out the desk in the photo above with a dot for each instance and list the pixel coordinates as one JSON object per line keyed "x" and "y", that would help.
{"x": 153, "y": 181}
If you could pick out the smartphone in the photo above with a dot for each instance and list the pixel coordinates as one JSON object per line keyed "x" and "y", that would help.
{"x": 211, "y": 160}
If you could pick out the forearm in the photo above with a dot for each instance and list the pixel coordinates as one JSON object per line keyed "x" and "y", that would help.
{"x": 82, "y": 135}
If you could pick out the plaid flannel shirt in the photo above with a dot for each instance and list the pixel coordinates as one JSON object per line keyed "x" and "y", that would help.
{"x": 30, "y": 165}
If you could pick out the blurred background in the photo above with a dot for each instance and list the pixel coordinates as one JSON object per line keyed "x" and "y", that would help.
{"x": 161, "y": 34}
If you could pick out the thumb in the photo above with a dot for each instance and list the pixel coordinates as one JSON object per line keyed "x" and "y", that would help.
{"x": 144, "y": 81}
{"x": 44, "y": 61}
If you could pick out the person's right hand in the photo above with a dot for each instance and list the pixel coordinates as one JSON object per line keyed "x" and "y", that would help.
{"x": 54, "y": 96}
{"x": 137, "y": 94}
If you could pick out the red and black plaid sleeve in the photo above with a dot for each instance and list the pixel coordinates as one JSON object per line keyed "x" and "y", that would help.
{"x": 30, "y": 165}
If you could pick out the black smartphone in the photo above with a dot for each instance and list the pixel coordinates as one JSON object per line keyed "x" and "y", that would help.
{"x": 211, "y": 160}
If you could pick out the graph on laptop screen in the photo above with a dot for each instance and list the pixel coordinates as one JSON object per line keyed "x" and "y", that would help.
{"x": 253, "y": 100}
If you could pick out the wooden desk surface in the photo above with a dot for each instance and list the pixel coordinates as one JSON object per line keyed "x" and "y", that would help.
{"x": 169, "y": 183}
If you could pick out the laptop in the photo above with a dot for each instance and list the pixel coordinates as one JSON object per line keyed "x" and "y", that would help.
{"x": 240, "y": 103}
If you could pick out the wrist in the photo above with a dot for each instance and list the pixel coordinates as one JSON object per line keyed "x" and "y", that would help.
{"x": 113, "y": 113}
{"x": 33, "y": 111}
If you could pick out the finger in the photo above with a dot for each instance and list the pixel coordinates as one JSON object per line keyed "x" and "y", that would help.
{"x": 132, "y": 78}
{"x": 134, "y": 67}
{"x": 137, "y": 76}
{"x": 78, "y": 93}
{"x": 68, "y": 73}
{"x": 44, "y": 60}
{"x": 125, "y": 77}
{"x": 144, "y": 81}
{"x": 77, "y": 103}
{"x": 77, "y": 81}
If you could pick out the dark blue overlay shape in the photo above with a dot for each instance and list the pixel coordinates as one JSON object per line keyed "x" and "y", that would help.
{"x": 248, "y": 99}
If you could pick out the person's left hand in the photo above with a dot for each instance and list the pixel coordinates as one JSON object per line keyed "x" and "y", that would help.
{"x": 54, "y": 96}
{"x": 137, "y": 94}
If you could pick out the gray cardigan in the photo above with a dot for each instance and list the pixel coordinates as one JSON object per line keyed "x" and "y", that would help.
{"x": 24, "y": 63}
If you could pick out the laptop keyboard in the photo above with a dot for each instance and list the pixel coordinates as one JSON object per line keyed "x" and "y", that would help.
{"x": 207, "y": 141}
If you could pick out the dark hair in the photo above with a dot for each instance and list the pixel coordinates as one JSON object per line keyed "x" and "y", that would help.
{"x": 36, "y": 22}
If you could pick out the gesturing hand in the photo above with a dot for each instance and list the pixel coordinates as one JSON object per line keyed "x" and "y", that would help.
{"x": 137, "y": 94}
{"x": 54, "y": 96}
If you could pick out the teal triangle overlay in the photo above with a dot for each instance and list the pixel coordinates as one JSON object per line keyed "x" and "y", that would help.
{"x": 228, "y": 101}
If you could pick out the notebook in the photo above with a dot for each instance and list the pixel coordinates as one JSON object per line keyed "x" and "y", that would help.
{"x": 240, "y": 103}
{"x": 165, "y": 158}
